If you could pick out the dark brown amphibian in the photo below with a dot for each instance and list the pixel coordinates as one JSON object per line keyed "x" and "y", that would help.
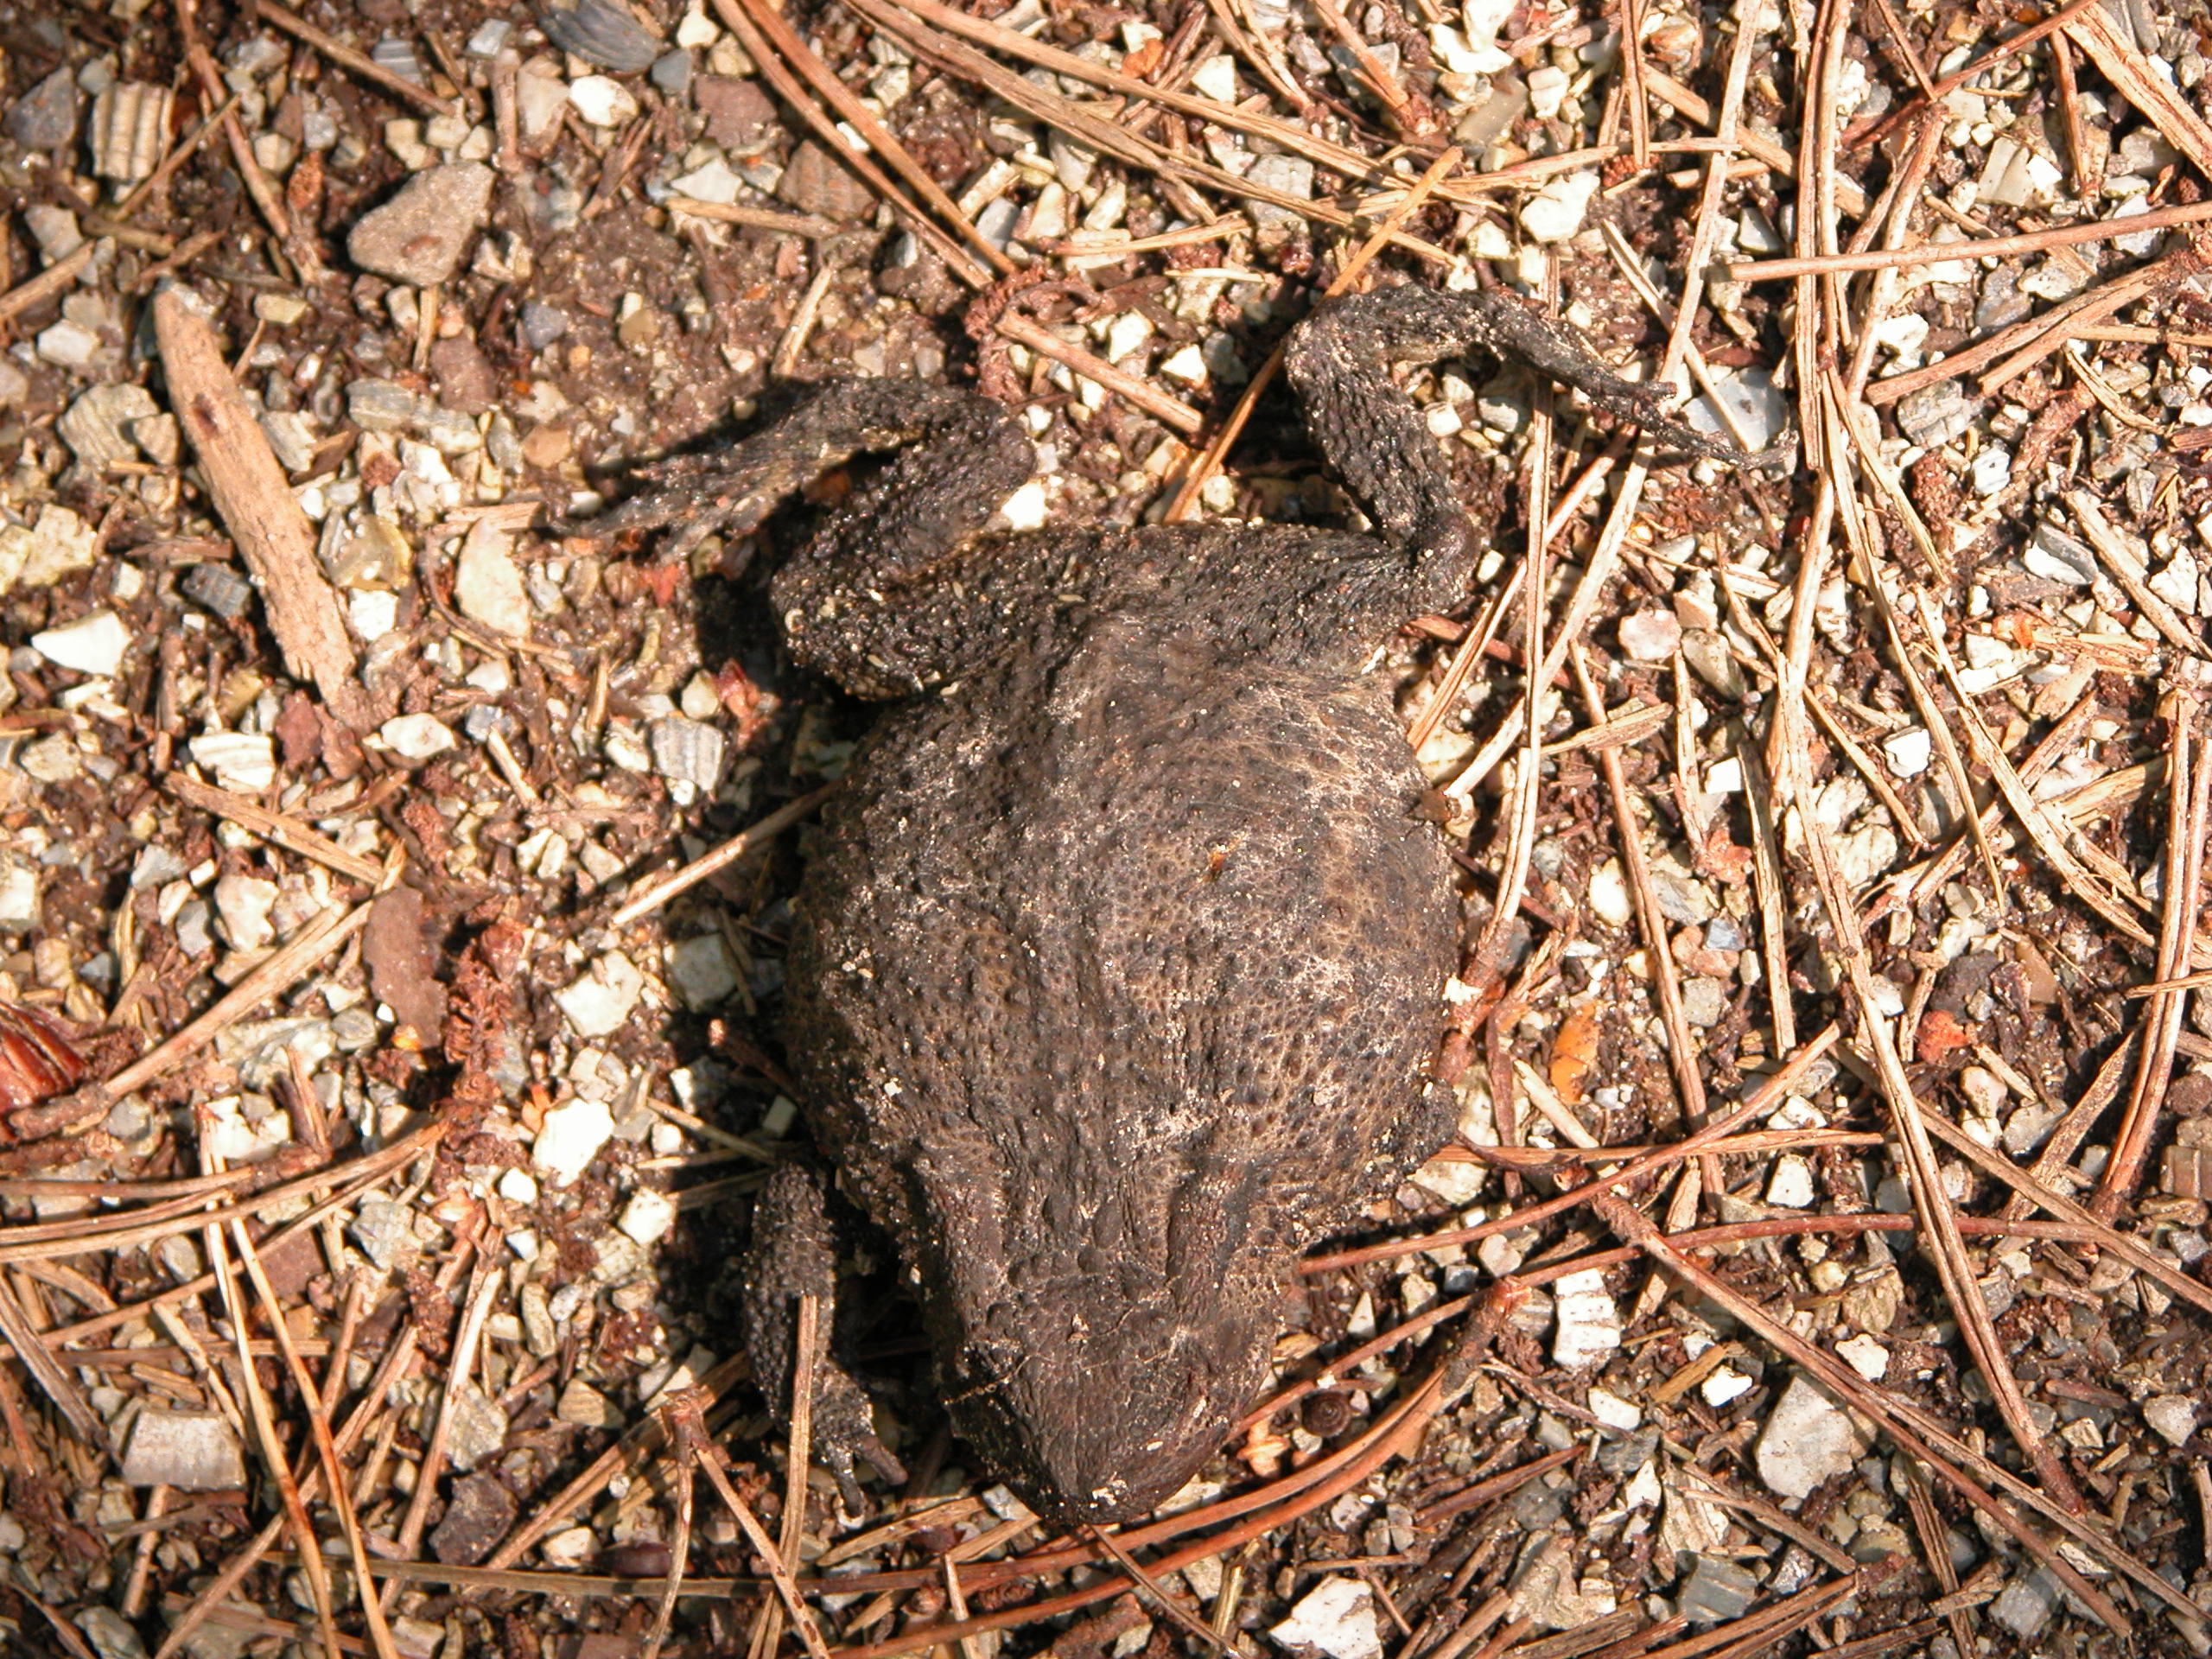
{"x": 1117, "y": 970}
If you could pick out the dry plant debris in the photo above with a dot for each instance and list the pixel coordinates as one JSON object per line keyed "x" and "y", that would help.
{"x": 392, "y": 894}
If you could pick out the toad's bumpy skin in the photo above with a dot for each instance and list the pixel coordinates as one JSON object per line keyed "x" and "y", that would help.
{"x": 1116, "y": 972}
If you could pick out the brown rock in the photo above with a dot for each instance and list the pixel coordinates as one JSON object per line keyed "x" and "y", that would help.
{"x": 548, "y": 445}
{"x": 478, "y": 1516}
{"x": 467, "y": 381}
{"x": 740, "y": 116}
{"x": 395, "y": 945}
{"x": 816, "y": 183}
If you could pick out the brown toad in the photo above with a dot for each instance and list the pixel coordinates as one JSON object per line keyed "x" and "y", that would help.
{"x": 1116, "y": 972}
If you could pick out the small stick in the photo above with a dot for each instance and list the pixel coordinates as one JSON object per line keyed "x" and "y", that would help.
{"x": 280, "y": 828}
{"x": 2121, "y": 64}
{"x": 59, "y": 1383}
{"x": 1859, "y": 138}
{"x": 1768, "y": 1095}
{"x": 312, "y": 1563}
{"x": 275, "y": 974}
{"x": 766, "y": 219}
{"x": 176, "y": 158}
{"x": 1188, "y": 1621}
{"x": 655, "y": 894}
{"x": 2188, "y": 772}
{"x": 1994, "y": 247}
{"x": 360, "y": 63}
{"x": 1168, "y": 412}
{"x": 770, "y": 22}
{"x": 191, "y": 249}
{"x": 459, "y": 1373}
{"x": 48, "y": 284}
{"x": 259, "y": 508}
{"x": 326, "y": 1449}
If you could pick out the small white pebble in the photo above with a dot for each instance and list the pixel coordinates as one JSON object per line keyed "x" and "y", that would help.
{"x": 416, "y": 737}
{"x": 1216, "y": 78}
{"x": 1791, "y": 1185}
{"x": 648, "y": 1215}
{"x": 1726, "y": 1384}
{"x": 603, "y": 101}
{"x": 1865, "y": 1356}
{"x": 1908, "y": 751}
{"x": 1024, "y": 508}
{"x": 1609, "y": 896}
{"x": 92, "y": 644}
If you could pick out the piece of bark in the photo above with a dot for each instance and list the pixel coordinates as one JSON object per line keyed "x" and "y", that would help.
{"x": 258, "y": 509}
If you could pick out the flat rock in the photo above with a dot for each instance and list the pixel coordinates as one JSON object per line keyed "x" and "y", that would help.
{"x": 479, "y": 1512}
{"x": 1650, "y": 636}
{"x": 817, "y": 182}
{"x": 2173, "y": 1415}
{"x": 1337, "y": 1617}
{"x": 45, "y": 118}
{"x": 648, "y": 1215}
{"x": 477, "y": 1430}
{"x": 92, "y": 644}
{"x": 740, "y": 116}
{"x": 466, "y": 379}
{"x": 418, "y": 236}
{"x": 1808, "y": 1439}
{"x": 385, "y": 1232}
{"x": 487, "y": 587}
{"x": 97, "y": 426}
{"x": 242, "y": 906}
{"x": 599, "y": 1001}
{"x": 240, "y": 761}
{"x": 571, "y": 1138}
{"x": 111, "y": 1635}
{"x": 191, "y": 1450}
{"x": 416, "y": 737}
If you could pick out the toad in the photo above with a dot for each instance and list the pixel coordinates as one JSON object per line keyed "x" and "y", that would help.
{"x": 1116, "y": 974}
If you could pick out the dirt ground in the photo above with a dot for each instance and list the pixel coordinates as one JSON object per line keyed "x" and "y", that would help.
{"x": 394, "y": 877}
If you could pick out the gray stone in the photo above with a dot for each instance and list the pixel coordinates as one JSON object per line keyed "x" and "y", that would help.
{"x": 418, "y": 236}
{"x": 45, "y": 118}
{"x": 94, "y": 427}
{"x": 1936, "y": 413}
{"x": 191, "y": 1450}
{"x": 1705, "y": 1001}
{"x": 111, "y": 1634}
{"x": 1808, "y": 1439}
{"x": 1762, "y": 411}
{"x": 671, "y": 73}
{"x": 2001, "y": 303}
{"x": 477, "y": 1430}
{"x": 385, "y": 1232}
{"x": 687, "y": 751}
{"x": 1718, "y": 1590}
{"x": 291, "y": 437}
{"x": 1288, "y": 175}
{"x": 381, "y": 405}
{"x": 466, "y": 379}
{"x": 2024, "y": 1605}
{"x": 479, "y": 1514}
{"x": 542, "y": 325}
{"x": 604, "y": 32}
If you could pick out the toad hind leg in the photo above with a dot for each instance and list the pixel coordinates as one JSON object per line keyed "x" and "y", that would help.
{"x": 869, "y": 601}
{"x": 1375, "y": 437}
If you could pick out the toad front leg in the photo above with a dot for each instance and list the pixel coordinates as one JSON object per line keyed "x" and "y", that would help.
{"x": 896, "y": 592}
{"x": 1376, "y": 438}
